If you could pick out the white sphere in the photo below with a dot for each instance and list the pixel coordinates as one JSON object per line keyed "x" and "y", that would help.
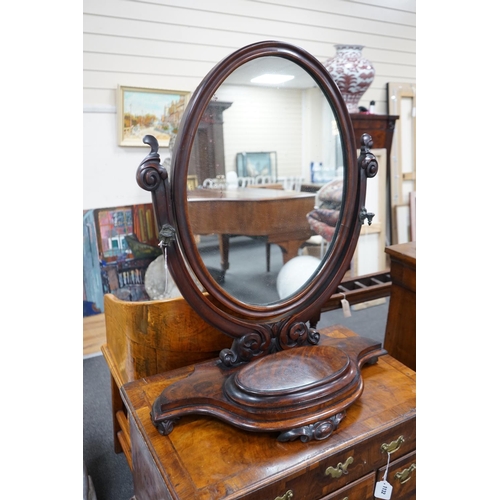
{"x": 158, "y": 281}
{"x": 295, "y": 273}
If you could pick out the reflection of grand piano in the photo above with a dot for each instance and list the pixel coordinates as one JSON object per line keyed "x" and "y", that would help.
{"x": 275, "y": 215}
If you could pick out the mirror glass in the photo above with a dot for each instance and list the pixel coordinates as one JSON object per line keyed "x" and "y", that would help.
{"x": 265, "y": 181}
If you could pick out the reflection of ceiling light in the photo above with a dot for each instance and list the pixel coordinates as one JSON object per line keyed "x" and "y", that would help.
{"x": 272, "y": 79}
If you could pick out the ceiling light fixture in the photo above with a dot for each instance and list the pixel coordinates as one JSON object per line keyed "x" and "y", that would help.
{"x": 272, "y": 79}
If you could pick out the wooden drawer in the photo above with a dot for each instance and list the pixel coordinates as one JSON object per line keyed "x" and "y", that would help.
{"x": 403, "y": 264}
{"x": 362, "y": 489}
{"x": 343, "y": 468}
{"x": 403, "y": 276}
{"x": 402, "y": 476}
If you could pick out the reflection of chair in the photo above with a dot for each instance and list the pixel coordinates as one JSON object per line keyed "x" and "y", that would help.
{"x": 245, "y": 181}
{"x": 265, "y": 179}
{"x": 150, "y": 337}
{"x": 218, "y": 183}
{"x": 291, "y": 183}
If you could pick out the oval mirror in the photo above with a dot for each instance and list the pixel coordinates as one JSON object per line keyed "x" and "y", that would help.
{"x": 235, "y": 213}
{"x": 267, "y": 123}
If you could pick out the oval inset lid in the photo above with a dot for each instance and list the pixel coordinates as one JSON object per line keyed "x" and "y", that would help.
{"x": 291, "y": 371}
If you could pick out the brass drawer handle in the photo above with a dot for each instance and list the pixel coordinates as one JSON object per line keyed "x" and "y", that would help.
{"x": 341, "y": 468}
{"x": 392, "y": 447}
{"x": 406, "y": 474}
{"x": 286, "y": 496}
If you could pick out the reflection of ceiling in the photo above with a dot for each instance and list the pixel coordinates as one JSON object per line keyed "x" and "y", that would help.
{"x": 257, "y": 67}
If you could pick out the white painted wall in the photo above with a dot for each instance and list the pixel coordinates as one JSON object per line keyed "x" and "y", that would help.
{"x": 172, "y": 44}
{"x": 262, "y": 119}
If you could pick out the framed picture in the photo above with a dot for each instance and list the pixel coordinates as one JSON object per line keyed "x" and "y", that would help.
{"x": 192, "y": 182}
{"x": 143, "y": 111}
{"x": 257, "y": 164}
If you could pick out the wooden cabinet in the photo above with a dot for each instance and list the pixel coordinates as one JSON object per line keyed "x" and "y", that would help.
{"x": 400, "y": 334}
{"x": 204, "y": 458}
{"x": 380, "y": 127}
{"x": 207, "y": 155}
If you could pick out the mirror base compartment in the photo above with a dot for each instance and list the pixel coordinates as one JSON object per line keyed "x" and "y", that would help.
{"x": 301, "y": 393}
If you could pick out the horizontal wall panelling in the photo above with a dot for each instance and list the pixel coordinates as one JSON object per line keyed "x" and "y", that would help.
{"x": 172, "y": 44}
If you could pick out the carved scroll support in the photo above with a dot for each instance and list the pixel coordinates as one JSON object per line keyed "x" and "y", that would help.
{"x": 269, "y": 339}
{"x": 150, "y": 173}
{"x": 367, "y": 160}
{"x": 318, "y": 431}
{"x": 368, "y": 163}
{"x": 152, "y": 176}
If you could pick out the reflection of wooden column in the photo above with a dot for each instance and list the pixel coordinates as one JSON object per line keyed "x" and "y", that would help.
{"x": 207, "y": 156}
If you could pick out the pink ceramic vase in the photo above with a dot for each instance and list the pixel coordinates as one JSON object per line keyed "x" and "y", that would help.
{"x": 352, "y": 73}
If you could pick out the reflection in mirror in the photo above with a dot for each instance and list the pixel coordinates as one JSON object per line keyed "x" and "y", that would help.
{"x": 267, "y": 164}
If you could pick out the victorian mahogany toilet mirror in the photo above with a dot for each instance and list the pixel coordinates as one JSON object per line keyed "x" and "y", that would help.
{"x": 278, "y": 375}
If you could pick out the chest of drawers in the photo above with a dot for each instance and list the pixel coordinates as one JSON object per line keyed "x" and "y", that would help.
{"x": 204, "y": 458}
{"x": 400, "y": 334}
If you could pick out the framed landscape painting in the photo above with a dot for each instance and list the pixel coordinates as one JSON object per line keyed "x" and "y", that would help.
{"x": 143, "y": 111}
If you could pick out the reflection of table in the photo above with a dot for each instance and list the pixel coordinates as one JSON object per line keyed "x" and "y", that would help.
{"x": 276, "y": 215}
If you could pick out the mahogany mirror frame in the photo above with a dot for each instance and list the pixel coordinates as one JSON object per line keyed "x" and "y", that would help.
{"x": 257, "y": 329}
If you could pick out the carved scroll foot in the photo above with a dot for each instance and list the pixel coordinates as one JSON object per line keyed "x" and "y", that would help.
{"x": 371, "y": 361}
{"x": 319, "y": 430}
{"x": 166, "y": 426}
